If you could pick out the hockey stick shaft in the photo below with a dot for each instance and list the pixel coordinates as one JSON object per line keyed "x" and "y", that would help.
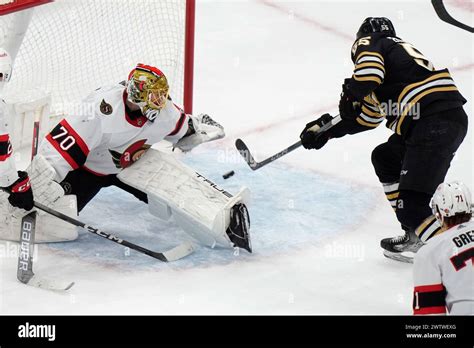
{"x": 446, "y": 17}
{"x": 36, "y": 131}
{"x": 157, "y": 255}
{"x": 245, "y": 152}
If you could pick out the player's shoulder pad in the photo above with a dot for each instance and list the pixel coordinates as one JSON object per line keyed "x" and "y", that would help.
{"x": 104, "y": 101}
{"x": 374, "y": 42}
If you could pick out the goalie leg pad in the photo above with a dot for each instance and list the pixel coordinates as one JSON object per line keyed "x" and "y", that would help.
{"x": 198, "y": 206}
{"x": 49, "y": 229}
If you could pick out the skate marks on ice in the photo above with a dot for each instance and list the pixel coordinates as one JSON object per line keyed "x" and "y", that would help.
{"x": 290, "y": 210}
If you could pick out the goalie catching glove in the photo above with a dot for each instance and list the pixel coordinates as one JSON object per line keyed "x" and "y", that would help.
{"x": 202, "y": 129}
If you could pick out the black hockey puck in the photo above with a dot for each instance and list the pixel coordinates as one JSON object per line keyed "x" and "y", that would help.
{"x": 228, "y": 174}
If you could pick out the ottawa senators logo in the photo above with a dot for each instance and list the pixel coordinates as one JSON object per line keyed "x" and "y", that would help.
{"x": 130, "y": 155}
{"x": 106, "y": 108}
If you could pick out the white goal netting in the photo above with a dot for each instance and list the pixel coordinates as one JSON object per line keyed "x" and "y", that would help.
{"x": 72, "y": 47}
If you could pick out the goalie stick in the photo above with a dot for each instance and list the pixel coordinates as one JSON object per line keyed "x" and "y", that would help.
{"x": 254, "y": 165}
{"x": 25, "y": 259}
{"x": 36, "y": 130}
{"x": 446, "y": 17}
{"x": 174, "y": 254}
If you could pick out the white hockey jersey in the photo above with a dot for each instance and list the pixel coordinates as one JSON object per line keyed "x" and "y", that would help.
{"x": 107, "y": 138}
{"x": 8, "y": 173}
{"x": 444, "y": 273}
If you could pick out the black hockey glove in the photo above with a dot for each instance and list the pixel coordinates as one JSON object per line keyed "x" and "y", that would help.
{"x": 310, "y": 139}
{"x": 349, "y": 107}
{"x": 21, "y": 195}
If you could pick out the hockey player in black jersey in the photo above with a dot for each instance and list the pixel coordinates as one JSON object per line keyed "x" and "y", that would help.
{"x": 392, "y": 80}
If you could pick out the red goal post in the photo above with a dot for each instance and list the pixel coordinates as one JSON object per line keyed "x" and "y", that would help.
{"x": 10, "y": 6}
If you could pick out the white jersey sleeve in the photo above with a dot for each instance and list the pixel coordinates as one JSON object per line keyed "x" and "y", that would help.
{"x": 444, "y": 273}
{"x": 68, "y": 145}
{"x": 181, "y": 119}
{"x": 429, "y": 296}
{"x": 8, "y": 173}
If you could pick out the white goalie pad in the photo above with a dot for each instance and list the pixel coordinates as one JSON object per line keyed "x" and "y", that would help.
{"x": 197, "y": 205}
{"x": 49, "y": 229}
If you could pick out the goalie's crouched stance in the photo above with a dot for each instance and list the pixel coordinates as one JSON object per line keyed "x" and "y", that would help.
{"x": 110, "y": 145}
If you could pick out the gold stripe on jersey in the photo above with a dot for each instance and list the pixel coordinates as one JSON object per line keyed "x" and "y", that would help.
{"x": 368, "y": 78}
{"x": 416, "y": 99}
{"x": 370, "y": 112}
{"x": 392, "y": 193}
{"x": 375, "y": 65}
{"x": 428, "y": 228}
{"x": 367, "y": 124}
{"x": 369, "y": 53}
{"x": 416, "y": 84}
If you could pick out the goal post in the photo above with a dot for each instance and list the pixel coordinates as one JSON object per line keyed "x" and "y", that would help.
{"x": 10, "y": 6}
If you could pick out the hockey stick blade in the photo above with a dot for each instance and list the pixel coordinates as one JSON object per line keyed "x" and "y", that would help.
{"x": 446, "y": 17}
{"x": 254, "y": 165}
{"x": 49, "y": 284}
{"x": 178, "y": 252}
{"x": 25, "y": 259}
{"x": 245, "y": 153}
{"x": 397, "y": 257}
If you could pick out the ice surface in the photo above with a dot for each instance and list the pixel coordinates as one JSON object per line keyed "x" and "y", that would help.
{"x": 264, "y": 69}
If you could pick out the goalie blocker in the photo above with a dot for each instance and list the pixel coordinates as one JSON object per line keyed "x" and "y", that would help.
{"x": 203, "y": 210}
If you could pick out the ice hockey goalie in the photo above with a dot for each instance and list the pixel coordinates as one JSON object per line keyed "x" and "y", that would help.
{"x": 110, "y": 145}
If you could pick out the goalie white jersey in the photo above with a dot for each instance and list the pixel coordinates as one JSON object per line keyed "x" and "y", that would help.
{"x": 109, "y": 137}
{"x": 444, "y": 273}
{"x": 8, "y": 173}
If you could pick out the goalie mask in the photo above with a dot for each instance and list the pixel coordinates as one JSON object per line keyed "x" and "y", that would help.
{"x": 147, "y": 87}
{"x": 5, "y": 67}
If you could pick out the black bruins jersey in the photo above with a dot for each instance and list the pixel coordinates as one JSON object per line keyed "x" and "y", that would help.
{"x": 398, "y": 77}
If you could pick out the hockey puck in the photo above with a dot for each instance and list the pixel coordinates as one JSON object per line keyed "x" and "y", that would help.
{"x": 228, "y": 174}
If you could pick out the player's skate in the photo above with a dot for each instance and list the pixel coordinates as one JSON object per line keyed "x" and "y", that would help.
{"x": 394, "y": 247}
{"x": 238, "y": 230}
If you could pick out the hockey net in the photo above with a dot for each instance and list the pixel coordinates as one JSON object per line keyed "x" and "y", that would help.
{"x": 72, "y": 47}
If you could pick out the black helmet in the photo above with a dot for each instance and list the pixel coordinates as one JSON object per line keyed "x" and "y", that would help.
{"x": 376, "y": 25}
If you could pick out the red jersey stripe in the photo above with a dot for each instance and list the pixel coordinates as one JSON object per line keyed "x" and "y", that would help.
{"x": 430, "y": 310}
{"x": 429, "y": 288}
{"x": 5, "y": 157}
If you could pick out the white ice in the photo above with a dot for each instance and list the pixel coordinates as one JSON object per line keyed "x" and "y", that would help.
{"x": 263, "y": 69}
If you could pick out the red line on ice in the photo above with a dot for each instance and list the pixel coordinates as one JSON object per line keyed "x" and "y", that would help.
{"x": 463, "y": 67}
{"x": 309, "y": 20}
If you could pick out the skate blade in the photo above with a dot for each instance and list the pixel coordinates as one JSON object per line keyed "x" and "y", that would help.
{"x": 398, "y": 256}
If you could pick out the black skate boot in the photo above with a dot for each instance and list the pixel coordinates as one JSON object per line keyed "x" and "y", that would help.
{"x": 238, "y": 230}
{"x": 394, "y": 247}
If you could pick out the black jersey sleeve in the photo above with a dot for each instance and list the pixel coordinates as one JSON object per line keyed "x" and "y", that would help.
{"x": 369, "y": 68}
{"x": 370, "y": 116}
